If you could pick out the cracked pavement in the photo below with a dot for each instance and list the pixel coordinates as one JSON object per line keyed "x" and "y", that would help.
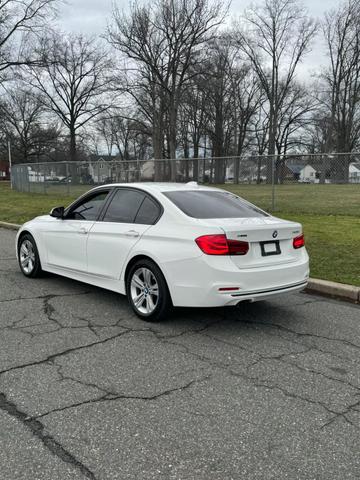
{"x": 269, "y": 390}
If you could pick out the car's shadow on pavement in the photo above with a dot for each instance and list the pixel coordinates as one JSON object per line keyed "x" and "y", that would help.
{"x": 259, "y": 315}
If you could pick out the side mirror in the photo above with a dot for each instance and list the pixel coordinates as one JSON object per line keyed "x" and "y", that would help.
{"x": 57, "y": 212}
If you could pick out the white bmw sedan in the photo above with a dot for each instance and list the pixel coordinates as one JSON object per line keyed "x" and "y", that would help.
{"x": 166, "y": 244}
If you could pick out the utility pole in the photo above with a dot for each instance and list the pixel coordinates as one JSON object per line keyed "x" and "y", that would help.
{"x": 10, "y": 163}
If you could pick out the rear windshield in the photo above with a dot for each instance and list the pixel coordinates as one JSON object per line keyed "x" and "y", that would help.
{"x": 213, "y": 204}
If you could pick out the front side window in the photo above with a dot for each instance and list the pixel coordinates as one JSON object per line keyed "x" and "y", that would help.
{"x": 89, "y": 208}
{"x": 124, "y": 206}
{"x": 213, "y": 204}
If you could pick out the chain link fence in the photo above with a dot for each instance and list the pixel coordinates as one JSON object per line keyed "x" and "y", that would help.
{"x": 258, "y": 176}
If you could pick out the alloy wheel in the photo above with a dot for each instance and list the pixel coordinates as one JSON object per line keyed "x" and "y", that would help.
{"x": 27, "y": 257}
{"x": 144, "y": 290}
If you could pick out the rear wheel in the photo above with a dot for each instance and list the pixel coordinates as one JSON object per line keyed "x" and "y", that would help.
{"x": 29, "y": 259}
{"x": 147, "y": 291}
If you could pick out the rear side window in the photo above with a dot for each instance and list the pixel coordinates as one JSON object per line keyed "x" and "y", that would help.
{"x": 148, "y": 213}
{"x": 124, "y": 206}
{"x": 213, "y": 204}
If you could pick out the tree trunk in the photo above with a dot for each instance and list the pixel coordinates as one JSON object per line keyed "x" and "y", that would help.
{"x": 259, "y": 166}
{"x": 218, "y": 144}
{"x": 158, "y": 145}
{"x": 186, "y": 161}
{"x": 196, "y": 161}
{"x": 272, "y": 144}
{"x": 72, "y": 143}
{"x": 172, "y": 139}
{"x": 73, "y": 156}
{"x": 239, "y": 149}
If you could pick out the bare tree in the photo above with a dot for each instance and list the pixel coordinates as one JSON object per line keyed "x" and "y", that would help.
{"x": 342, "y": 82}
{"x": 104, "y": 128}
{"x": 145, "y": 106}
{"x": 19, "y": 18}
{"x": 194, "y": 113}
{"x": 230, "y": 92}
{"x": 123, "y": 132}
{"x": 22, "y": 118}
{"x": 260, "y": 128}
{"x": 219, "y": 111}
{"x": 164, "y": 39}
{"x": 246, "y": 99}
{"x": 72, "y": 81}
{"x": 295, "y": 116}
{"x": 276, "y": 37}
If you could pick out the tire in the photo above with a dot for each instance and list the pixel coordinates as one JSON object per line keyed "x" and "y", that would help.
{"x": 29, "y": 259}
{"x": 146, "y": 283}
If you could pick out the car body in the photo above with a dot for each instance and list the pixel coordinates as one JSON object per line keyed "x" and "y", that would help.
{"x": 161, "y": 222}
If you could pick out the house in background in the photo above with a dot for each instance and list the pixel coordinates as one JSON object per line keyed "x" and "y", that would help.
{"x": 303, "y": 173}
{"x": 148, "y": 171}
{"x": 4, "y": 170}
{"x": 100, "y": 170}
{"x": 105, "y": 169}
{"x": 354, "y": 172}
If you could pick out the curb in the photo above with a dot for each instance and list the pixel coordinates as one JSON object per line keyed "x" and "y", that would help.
{"x": 349, "y": 293}
{"x": 10, "y": 226}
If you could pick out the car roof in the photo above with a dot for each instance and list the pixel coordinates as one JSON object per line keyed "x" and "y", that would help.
{"x": 162, "y": 186}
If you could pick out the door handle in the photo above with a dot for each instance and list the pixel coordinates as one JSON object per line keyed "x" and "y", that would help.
{"x": 132, "y": 233}
{"x": 83, "y": 231}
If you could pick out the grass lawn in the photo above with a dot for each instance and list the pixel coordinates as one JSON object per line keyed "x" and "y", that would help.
{"x": 305, "y": 198}
{"x": 330, "y": 215}
{"x": 333, "y": 243}
{"x": 16, "y": 207}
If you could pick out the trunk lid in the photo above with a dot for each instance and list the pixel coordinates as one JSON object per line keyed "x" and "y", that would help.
{"x": 270, "y": 239}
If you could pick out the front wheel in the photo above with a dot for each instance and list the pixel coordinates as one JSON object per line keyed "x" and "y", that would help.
{"x": 29, "y": 259}
{"x": 147, "y": 291}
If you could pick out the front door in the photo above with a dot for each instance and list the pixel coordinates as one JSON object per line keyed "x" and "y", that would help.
{"x": 66, "y": 239}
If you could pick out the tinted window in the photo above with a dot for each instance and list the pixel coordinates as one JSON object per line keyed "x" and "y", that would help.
{"x": 124, "y": 206}
{"x": 212, "y": 204}
{"x": 149, "y": 212}
{"x": 90, "y": 208}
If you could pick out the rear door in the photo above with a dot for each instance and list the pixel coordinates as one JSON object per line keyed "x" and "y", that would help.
{"x": 129, "y": 214}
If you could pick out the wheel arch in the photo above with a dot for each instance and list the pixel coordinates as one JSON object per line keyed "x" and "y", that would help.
{"x": 21, "y": 234}
{"x": 138, "y": 257}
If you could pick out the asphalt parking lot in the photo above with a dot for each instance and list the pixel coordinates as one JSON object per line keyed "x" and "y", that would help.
{"x": 264, "y": 391}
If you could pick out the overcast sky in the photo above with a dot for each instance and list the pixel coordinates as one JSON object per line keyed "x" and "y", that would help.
{"x": 92, "y": 16}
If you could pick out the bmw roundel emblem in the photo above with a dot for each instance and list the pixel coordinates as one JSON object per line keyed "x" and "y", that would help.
{"x": 275, "y": 234}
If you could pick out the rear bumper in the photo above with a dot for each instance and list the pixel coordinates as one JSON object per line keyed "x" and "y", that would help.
{"x": 196, "y": 283}
{"x": 264, "y": 294}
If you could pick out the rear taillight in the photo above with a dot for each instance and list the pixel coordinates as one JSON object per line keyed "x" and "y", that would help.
{"x": 237, "y": 248}
{"x": 299, "y": 241}
{"x": 220, "y": 245}
{"x": 213, "y": 244}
